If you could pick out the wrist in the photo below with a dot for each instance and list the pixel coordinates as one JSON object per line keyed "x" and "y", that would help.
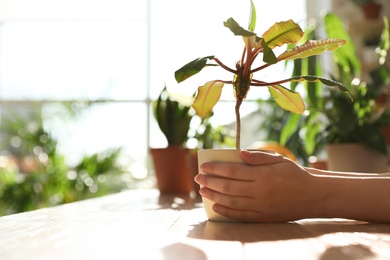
{"x": 319, "y": 200}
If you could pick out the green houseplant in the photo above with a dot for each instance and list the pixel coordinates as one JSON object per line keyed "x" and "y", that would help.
{"x": 367, "y": 119}
{"x": 35, "y": 174}
{"x": 334, "y": 119}
{"x": 173, "y": 165}
{"x": 282, "y": 33}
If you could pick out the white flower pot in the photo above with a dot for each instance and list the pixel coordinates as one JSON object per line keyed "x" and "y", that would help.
{"x": 217, "y": 155}
{"x": 355, "y": 158}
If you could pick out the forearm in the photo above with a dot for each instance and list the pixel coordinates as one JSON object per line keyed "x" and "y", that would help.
{"x": 315, "y": 171}
{"x": 361, "y": 198}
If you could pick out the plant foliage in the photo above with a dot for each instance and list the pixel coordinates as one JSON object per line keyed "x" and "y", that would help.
{"x": 280, "y": 34}
{"x": 333, "y": 118}
{"x": 34, "y": 174}
{"x": 173, "y": 118}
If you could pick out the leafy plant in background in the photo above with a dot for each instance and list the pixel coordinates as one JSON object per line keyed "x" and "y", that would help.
{"x": 272, "y": 124}
{"x": 282, "y": 33}
{"x": 33, "y": 174}
{"x": 173, "y": 118}
{"x": 209, "y": 137}
{"x": 332, "y": 117}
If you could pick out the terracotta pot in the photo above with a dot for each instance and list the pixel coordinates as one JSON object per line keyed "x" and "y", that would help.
{"x": 372, "y": 10}
{"x": 219, "y": 155}
{"x": 386, "y": 133}
{"x": 355, "y": 158}
{"x": 172, "y": 166}
{"x": 195, "y": 171}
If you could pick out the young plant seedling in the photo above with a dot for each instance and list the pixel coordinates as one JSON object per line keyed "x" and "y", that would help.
{"x": 280, "y": 34}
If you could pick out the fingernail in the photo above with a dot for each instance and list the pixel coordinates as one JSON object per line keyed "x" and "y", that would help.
{"x": 203, "y": 192}
{"x": 203, "y": 166}
{"x": 197, "y": 179}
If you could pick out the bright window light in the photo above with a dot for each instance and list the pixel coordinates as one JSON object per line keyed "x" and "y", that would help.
{"x": 123, "y": 51}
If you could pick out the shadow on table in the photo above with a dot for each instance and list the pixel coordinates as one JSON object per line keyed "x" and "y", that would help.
{"x": 354, "y": 246}
{"x": 257, "y": 232}
{"x": 351, "y": 252}
{"x": 182, "y": 251}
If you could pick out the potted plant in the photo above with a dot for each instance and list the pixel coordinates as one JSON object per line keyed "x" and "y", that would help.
{"x": 172, "y": 164}
{"x": 336, "y": 122}
{"x": 280, "y": 34}
{"x": 359, "y": 126}
{"x": 371, "y": 8}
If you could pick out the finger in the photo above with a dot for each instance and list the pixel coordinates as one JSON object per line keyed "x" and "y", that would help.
{"x": 258, "y": 157}
{"x": 236, "y": 171}
{"x": 239, "y": 214}
{"x": 236, "y": 202}
{"x": 225, "y": 186}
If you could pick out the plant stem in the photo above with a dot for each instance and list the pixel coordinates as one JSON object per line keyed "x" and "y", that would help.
{"x": 238, "y": 123}
{"x": 224, "y": 66}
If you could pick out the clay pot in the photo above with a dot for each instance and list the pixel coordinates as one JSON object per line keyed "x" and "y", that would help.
{"x": 172, "y": 166}
{"x": 372, "y": 10}
{"x": 351, "y": 157}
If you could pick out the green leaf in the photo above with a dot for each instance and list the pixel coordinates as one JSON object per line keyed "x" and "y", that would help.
{"x": 314, "y": 89}
{"x": 172, "y": 117}
{"x": 310, "y": 48}
{"x": 346, "y": 56}
{"x": 208, "y": 95}
{"x": 282, "y": 33}
{"x": 380, "y": 76}
{"x": 384, "y": 43}
{"x": 269, "y": 56}
{"x": 237, "y": 29}
{"x": 328, "y": 82}
{"x": 297, "y": 70}
{"x": 252, "y": 21}
{"x": 310, "y": 137}
{"x": 192, "y": 68}
{"x": 289, "y": 128}
{"x": 287, "y": 99}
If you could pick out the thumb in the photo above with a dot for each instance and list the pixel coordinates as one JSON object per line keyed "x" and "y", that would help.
{"x": 261, "y": 157}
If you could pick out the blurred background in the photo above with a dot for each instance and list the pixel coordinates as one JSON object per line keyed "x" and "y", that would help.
{"x": 78, "y": 78}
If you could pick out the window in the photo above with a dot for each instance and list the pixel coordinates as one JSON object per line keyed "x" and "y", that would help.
{"x": 120, "y": 53}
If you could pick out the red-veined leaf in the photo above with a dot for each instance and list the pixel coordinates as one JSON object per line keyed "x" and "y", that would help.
{"x": 310, "y": 48}
{"x": 283, "y": 33}
{"x": 287, "y": 99}
{"x": 208, "y": 95}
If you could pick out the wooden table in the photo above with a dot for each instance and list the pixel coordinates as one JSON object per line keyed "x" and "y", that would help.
{"x": 144, "y": 225}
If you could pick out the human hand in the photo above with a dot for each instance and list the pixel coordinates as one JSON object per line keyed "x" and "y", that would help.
{"x": 268, "y": 188}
